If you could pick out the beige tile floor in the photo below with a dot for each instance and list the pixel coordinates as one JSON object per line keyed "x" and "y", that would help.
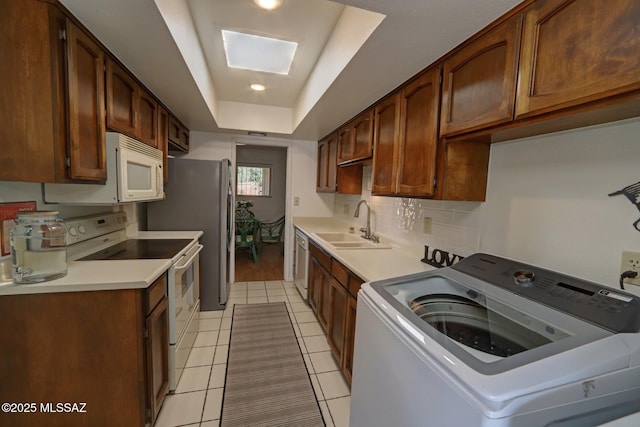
{"x": 197, "y": 400}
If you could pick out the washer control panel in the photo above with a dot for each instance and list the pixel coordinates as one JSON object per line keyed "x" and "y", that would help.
{"x": 615, "y": 310}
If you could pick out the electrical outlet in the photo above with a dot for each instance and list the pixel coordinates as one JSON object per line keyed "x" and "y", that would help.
{"x": 345, "y": 209}
{"x": 426, "y": 227}
{"x": 631, "y": 262}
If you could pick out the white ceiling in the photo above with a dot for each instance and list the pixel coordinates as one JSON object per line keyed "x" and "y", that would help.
{"x": 307, "y": 22}
{"x": 174, "y": 48}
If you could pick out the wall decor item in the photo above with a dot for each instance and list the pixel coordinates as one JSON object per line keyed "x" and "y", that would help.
{"x": 8, "y": 213}
{"x": 632, "y": 192}
{"x": 439, "y": 258}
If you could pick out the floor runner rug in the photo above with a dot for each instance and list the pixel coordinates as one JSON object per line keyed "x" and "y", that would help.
{"x": 267, "y": 383}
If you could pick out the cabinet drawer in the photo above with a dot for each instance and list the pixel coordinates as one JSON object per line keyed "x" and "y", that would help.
{"x": 341, "y": 273}
{"x": 155, "y": 293}
{"x": 323, "y": 258}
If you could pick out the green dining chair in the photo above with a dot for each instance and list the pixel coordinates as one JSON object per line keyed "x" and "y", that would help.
{"x": 272, "y": 232}
{"x": 247, "y": 233}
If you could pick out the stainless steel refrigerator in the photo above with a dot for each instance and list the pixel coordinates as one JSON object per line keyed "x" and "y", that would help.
{"x": 199, "y": 196}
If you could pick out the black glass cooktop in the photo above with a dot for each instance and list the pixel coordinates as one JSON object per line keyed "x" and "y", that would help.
{"x": 140, "y": 249}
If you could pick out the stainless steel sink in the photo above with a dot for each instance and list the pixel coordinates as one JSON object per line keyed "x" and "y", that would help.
{"x": 349, "y": 241}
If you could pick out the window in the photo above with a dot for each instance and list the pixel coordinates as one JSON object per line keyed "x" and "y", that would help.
{"x": 253, "y": 181}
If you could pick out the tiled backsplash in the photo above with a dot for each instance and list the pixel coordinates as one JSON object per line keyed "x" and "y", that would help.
{"x": 455, "y": 226}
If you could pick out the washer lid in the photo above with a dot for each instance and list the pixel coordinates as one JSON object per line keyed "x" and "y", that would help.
{"x": 476, "y": 326}
{"x": 489, "y": 328}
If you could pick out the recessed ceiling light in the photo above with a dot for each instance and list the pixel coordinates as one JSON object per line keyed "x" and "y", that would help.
{"x": 268, "y": 4}
{"x": 257, "y": 53}
{"x": 258, "y": 87}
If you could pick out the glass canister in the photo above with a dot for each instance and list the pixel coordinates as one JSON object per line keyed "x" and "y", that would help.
{"x": 38, "y": 247}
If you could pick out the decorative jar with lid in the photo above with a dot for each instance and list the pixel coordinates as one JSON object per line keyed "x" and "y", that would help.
{"x": 38, "y": 247}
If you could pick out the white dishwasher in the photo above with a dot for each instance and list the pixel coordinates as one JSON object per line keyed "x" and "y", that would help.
{"x": 301, "y": 261}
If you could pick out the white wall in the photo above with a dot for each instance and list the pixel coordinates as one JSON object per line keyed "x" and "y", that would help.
{"x": 547, "y": 200}
{"x": 455, "y": 226}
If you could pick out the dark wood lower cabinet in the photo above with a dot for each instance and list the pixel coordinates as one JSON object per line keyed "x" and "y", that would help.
{"x": 332, "y": 295}
{"x": 106, "y": 351}
{"x": 338, "y": 300}
{"x": 157, "y": 345}
{"x": 349, "y": 338}
{"x": 319, "y": 283}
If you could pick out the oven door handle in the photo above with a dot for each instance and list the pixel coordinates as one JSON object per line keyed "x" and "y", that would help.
{"x": 182, "y": 265}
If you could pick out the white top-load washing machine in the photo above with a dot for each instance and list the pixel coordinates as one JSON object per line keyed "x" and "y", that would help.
{"x": 494, "y": 342}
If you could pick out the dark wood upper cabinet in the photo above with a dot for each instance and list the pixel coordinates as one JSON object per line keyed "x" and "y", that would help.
{"x": 131, "y": 110}
{"x": 419, "y": 103}
{"x": 576, "y": 52}
{"x": 463, "y": 168}
{"x": 52, "y": 97}
{"x": 327, "y": 164}
{"x": 385, "y": 145}
{"x": 121, "y": 99}
{"x": 178, "y": 135}
{"x": 363, "y": 136}
{"x": 147, "y": 119}
{"x": 163, "y": 140}
{"x": 345, "y": 139}
{"x": 85, "y": 80}
{"x": 355, "y": 139}
{"x": 479, "y": 81}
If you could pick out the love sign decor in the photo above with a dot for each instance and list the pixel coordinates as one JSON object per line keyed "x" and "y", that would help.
{"x": 439, "y": 258}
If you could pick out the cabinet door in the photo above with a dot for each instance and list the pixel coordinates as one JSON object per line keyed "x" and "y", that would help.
{"x": 163, "y": 140}
{"x": 177, "y": 134}
{"x": 332, "y": 167}
{"x": 85, "y": 82}
{"x": 147, "y": 114}
{"x": 419, "y": 135}
{"x": 349, "y": 338}
{"x": 323, "y": 164}
{"x": 324, "y": 303}
{"x": 479, "y": 82}
{"x": 363, "y": 136}
{"x": 33, "y": 83}
{"x": 574, "y": 52}
{"x": 314, "y": 279}
{"x": 462, "y": 170}
{"x": 386, "y": 135}
{"x": 184, "y": 138}
{"x": 345, "y": 144}
{"x": 338, "y": 300}
{"x": 327, "y": 164}
{"x": 157, "y": 350}
{"x": 121, "y": 100}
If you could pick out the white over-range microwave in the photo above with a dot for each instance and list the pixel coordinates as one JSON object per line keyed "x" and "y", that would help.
{"x": 134, "y": 174}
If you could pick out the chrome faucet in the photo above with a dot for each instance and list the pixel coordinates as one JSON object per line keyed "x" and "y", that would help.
{"x": 366, "y": 230}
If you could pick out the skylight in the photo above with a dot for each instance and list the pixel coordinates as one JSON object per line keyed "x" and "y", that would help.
{"x": 258, "y": 53}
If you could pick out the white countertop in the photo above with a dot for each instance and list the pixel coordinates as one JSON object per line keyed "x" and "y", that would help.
{"x": 106, "y": 274}
{"x": 368, "y": 264}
